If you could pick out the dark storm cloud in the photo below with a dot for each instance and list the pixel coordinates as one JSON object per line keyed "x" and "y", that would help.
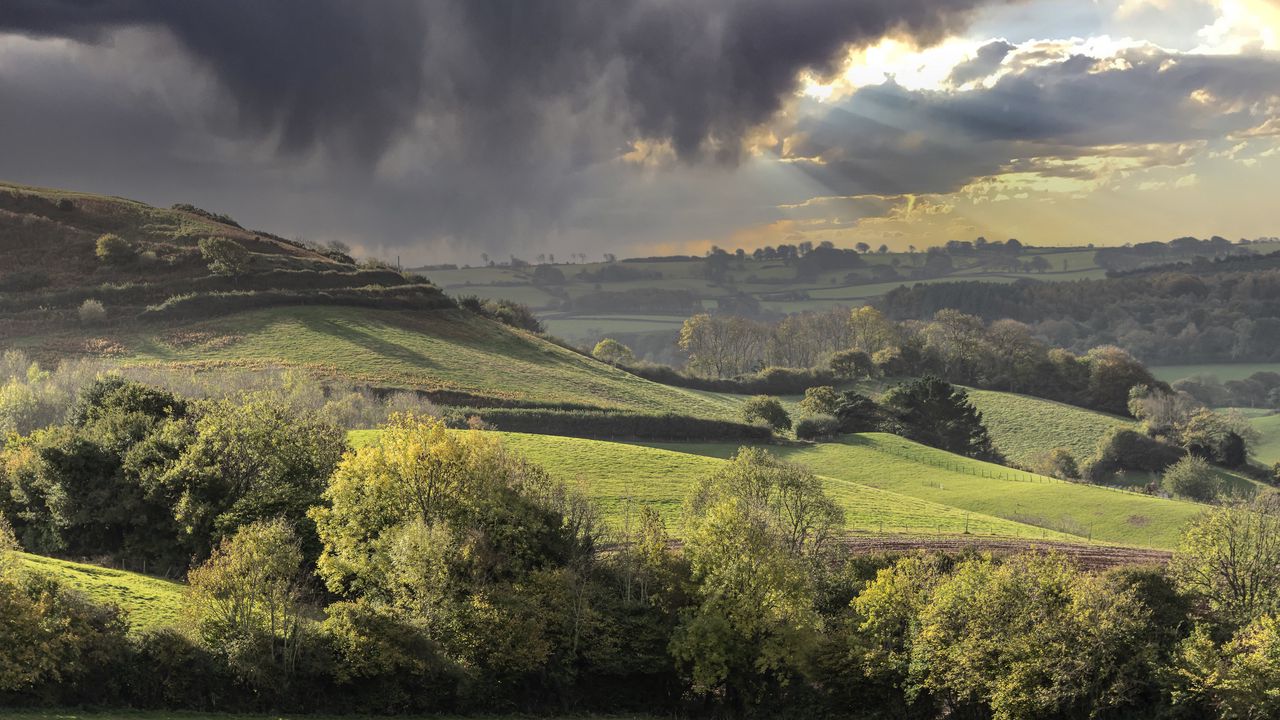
{"x": 699, "y": 73}
{"x": 1148, "y": 106}
{"x": 983, "y": 65}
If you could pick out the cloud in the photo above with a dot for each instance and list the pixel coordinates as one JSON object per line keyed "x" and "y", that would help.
{"x": 983, "y": 65}
{"x": 1074, "y": 117}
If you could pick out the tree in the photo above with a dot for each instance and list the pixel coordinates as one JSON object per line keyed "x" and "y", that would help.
{"x": 767, "y": 410}
{"x": 246, "y": 600}
{"x": 934, "y": 412}
{"x": 114, "y": 250}
{"x": 1238, "y": 680}
{"x": 548, "y": 275}
{"x": 721, "y": 346}
{"x": 852, "y": 364}
{"x": 224, "y": 256}
{"x": 752, "y": 529}
{"x": 820, "y": 400}
{"x": 1029, "y": 637}
{"x": 1058, "y": 463}
{"x": 613, "y": 352}
{"x": 870, "y": 330}
{"x": 1229, "y": 558}
{"x": 862, "y": 247}
{"x": 1112, "y": 373}
{"x": 858, "y": 413}
{"x": 1194, "y": 478}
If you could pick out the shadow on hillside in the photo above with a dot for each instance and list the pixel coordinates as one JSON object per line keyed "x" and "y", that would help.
{"x": 369, "y": 341}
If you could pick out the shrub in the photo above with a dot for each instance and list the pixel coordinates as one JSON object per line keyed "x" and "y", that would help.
{"x": 1192, "y": 477}
{"x": 851, "y": 364}
{"x": 613, "y": 352}
{"x": 767, "y": 410}
{"x": 114, "y": 250}
{"x": 1125, "y": 449}
{"x": 607, "y": 424}
{"x": 821, "y": 400}
{"x": 224, "y": 256}
{"x": 91, "y": 312}
{"x": 1058, "y": 463}
{"x": 818, "y": 427}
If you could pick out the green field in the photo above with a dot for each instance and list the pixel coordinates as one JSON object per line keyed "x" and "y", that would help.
{"x": 620, "y": 477}
{"x": 1024, "y": 427}
{"x": 900, "y": 466}
{"x": 1222, "y": 371}
{"x": 150, "y": 601}
{"x": 437, "y": 350}
{"x": 1268, "y": 450}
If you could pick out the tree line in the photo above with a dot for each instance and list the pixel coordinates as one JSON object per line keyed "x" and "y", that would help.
{"x": 955, "y": 346}
{"x": 435, "y": 571}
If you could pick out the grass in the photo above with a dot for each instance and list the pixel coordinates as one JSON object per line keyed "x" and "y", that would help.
{"x": 151, "y": 602}
{"x": 620, "y": 477}
{"x": 1024, "y": 427}
{"x": 892, "y": 464}
{"x": 439, "y": 350}
{"x": 1268, "y": 450}
{"x": 1222, "y": 371}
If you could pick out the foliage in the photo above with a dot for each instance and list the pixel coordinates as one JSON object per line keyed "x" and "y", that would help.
{"x": 1126, "y": 449}
{"x": 820, "y": 400}
{"x": 858, "y": 413}
{"x": 933, "y": 412}
{"x": 91, "y": 312}
{"x": 1237, "y": 680}
{"x": 224, "y": 256}
{"x": 851, "y": 364}
{"x": 507, "y": 312}
{"x": 613, "y": 352}
{"x": 610, "y": 424}
{"x": 1058, "y": 463}
{"x": 245, "y": 601}
{"x": 1229, "y": 558}
{"x": 751, "y": 526}
{"x": 767, "y": 410}
{"x": 817, "y": 427}
{"x": 114, "y": 250}
{"x": 1193, "y": 478}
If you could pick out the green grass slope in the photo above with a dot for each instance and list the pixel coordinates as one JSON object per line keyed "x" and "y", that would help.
{"x": 448, "y": 350}
{"x": 890, "y": 463}
{"x": 150, "y": 602}
{"x": 620, "y": 478}
{"x": 1024, "y": 427}
{"x": 1224, "y": 372}
{"x": 1268, "y": 449}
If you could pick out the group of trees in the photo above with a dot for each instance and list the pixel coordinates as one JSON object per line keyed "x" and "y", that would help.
{"x": 1210, "y": 312}
{"x": 436, "y": 571}
{"x": 959, "y": 348}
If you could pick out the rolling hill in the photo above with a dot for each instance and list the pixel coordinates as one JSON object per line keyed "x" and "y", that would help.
{"x": 893, "y": 464}
{"x": 885, "y": 484}
{"x": 1023, "y": 426}
{"x": 150, "y": 602}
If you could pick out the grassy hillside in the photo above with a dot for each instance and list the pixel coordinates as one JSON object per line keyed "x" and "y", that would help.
{"x": 1268, "y": 450}
{"x": 621, "y": 477}
{"x": 890, "y": 463}
{"x": 150, "y": 602}
{"x": 437, "y": 350}
{"x": 1024, "y": 427}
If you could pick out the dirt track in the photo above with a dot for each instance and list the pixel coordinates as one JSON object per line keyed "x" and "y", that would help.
{"x": 1093, "y": 557}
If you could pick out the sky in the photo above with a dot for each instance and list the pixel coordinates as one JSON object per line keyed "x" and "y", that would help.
{"x": 437, "y": 130}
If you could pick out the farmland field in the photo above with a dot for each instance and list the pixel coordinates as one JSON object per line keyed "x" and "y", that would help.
{"x": 620, "y": 477}
{"x": 1024, "y": 427}
{"x": 900, "y": 466}
{"x": 150, "y": 602}
{"x": 1268, "y": 450}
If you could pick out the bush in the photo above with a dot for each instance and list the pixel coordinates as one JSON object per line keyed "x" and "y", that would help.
{"x": 1124, "y": 449}
{"x": 1057, "y": 463}
{"x": 607, "y": 424}
{"x": 821, "y": 400}
{"x": 224, "y": 256}
{"x": 114, "y": 250}
{"x": 767, "y": 410}
{"x": 92, "y": 312}
{"x": 613, "y": 352}
{"x": 817, "y": 427}
{"x": 851, "y": 364}
{"x": 1194, "y": 478}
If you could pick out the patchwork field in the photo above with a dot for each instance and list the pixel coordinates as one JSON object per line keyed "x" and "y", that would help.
{"x": 150, "y": 601}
